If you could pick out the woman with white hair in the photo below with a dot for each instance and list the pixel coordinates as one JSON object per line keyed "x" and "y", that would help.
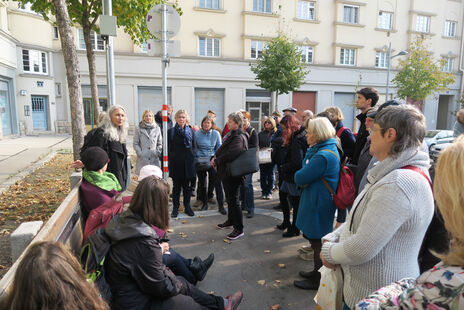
{"x": 111, "y": 136}
{"x": 380, "y": 241}
{"x": 148, "y": 142}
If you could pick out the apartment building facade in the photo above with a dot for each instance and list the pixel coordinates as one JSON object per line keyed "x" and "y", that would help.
{"x": 344, "y": 43}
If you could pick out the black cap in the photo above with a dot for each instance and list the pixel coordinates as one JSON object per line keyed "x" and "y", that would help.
{"x": 94, "y": 158}
{"x": 373, "y": 113}
{"x": 290, "y": 109}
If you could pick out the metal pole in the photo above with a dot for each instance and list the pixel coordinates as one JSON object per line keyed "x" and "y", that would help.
{"x": 164, "y": 61}
{"x": 111, "y": 89}
{"x": 388, "y": 72}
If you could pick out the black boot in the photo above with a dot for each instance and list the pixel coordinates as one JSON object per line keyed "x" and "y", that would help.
{"x": 292, "y": 231}
{"x": 205, "y": 206}
{"x": 189, "y": 211}
{"x": 283, "y": 226}
{"x": 199, "y": 268}
{"x": 222, "y": 210}
{"x": 175, "y": 212}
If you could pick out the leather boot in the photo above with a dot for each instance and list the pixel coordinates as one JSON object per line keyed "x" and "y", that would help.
{"x": 205, "y": 206}
{"x": 199, "y": 268}
{"x": 189, "y": 211}
{"x": 222, "y": 210}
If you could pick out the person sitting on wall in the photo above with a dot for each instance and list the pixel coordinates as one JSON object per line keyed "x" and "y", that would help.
{"x": 98, "y": 185}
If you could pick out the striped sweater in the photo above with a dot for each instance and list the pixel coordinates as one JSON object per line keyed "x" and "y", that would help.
{"x": 380, "y": 241}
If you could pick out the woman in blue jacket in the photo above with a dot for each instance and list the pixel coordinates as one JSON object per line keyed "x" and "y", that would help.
{"x": 317, "y": 210}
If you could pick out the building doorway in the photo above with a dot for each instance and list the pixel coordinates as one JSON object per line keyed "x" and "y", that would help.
{"x": 39, "y": 113}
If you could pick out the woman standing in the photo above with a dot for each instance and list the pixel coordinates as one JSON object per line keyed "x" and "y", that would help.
{"x": 266, "y": 171}
{"x": 134, "y": 268}
{"x": 295, "y": 146}
{"x": 208, "y": 141}
{"x": 181, "y": 142}
{"x": 317, "y": 210}
{"x": 247, "y": 193}
{"x": 380, "y": 241}
{"x": 345, "y": 134}
{"x": 111, "y": 136}
{"x": 148, "y": 142}
{"x": 235, "y": 143}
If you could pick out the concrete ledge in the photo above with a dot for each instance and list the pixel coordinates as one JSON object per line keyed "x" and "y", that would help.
{"x": 22, "y": 236}
{"x": 75, "y": 179}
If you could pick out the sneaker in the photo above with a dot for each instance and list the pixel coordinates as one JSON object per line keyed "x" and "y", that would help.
{"x": 268, "y": 197}
{"x": 233, "y": 301}
{"x": 235, "y": 234}
{"x": 306, "y": 249}
{"x": 306, "y": 256}
{"x": 224, "y": 225}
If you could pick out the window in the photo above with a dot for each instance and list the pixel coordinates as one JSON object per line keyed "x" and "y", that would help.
{"x": 306, "y": 54}
{"x": 208, "y": 47}
{"x": 58, "y": 89}
{"x": 381, "y": 60}
{"x": 423, "y": 23}
{"x": 450, "y": 28}
{"x": 257, "y": 49}
{"x": 35, "y": 62}
{"x": 385, "y": 20}
{"x": 306, "y": 10}
{"x": 448, "y": 65}
{"x": 351, "y": 14}
{"x": 55, "y": 33}
{"x": 98, "y": 44}
{"x": 144, "y": 47}
{"x": 263, "y": 6}
{"x": 209, "y": 4}
{"x": 347, "y": 56}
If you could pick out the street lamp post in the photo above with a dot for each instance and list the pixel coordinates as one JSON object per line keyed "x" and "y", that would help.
{"x": 389, "y": 58}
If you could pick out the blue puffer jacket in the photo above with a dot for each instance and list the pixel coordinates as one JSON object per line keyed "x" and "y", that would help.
{"x": 317, "y": 210}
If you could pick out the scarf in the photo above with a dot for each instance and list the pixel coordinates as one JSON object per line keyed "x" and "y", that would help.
{"x": 106, "y": 181}
{"x": 187, "y": 134}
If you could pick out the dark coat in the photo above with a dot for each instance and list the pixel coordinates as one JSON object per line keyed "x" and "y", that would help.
{"x": 93, "y": 196}
{"x": 234, "y": 144}
{"x": 134, "y": 265}
{"x": 264, "y": 139}
{"x": 159, "y": 121}
{"x": 276, "y": 145}
{"x": 361, "y": 138}
{"x": 253, "y": 137}
{"x": 347, "y": 139}
{"x": 294, "y": 153}
{"x": 117, "y": 153}
{"x": 181, "y": 159}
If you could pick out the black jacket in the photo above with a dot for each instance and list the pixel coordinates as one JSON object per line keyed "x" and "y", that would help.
{"x": 117, "y": 153}
{"x": 295, "y": 153}
{"x": 347, "y": 139}
{"x": 253, "y": 137}
{"x": 264, "y": 139}
{"x": 361, "y": 138}
{"x": 159, "y": 121}
{"x": 134, "y": 265}
{"x": 276, "y": 145}
{"x": 181, "y": 159}
{"x": 233, "y": 145}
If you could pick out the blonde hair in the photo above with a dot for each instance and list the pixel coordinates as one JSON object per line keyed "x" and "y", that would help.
{"x": 336, "y": 112}
{"x": 182, "y": 111}
{"x": 148, "y": 112}
{"x": 321, "y": 128}
{"x": 450, "y": 198}
{"x": 115, "y": 133}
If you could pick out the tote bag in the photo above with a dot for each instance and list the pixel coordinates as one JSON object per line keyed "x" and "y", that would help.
{"x": 245, "y": 163}
{"x": 329, "y": 293}
{"x": 264, "y": 155}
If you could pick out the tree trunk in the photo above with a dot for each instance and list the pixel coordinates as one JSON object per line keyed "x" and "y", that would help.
{"x": 276, "y": 97}
{"x": 72, "y": 75}
{"x": 92, "y": 70}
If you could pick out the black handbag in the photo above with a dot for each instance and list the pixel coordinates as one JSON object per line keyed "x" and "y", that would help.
{"x": 245, "y": 163}
{"x": 202, "y": 164}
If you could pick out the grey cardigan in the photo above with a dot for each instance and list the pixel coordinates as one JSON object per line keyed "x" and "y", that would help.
{"x": 380, "y": 241}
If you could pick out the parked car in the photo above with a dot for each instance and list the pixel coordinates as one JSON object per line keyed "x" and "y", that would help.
{"x": 436, "y": 149}
{"x": 433, "y": 137}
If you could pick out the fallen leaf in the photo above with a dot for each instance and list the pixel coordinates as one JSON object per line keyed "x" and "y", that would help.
{"x": 184, "y": 222}
{"x": 227, "y": 241}
{"x": 211, "y": 292}
{"x": 281, "y": 265}
{"x": 170, "y": 230}
{"x": 277, "y": 281}
{"x": 2, "y": 267}
{"x": 4, "y": 232}
{"x": 274, "y": 307}
{"x": 261, "y": 282}
{"x": 267, "y": 251}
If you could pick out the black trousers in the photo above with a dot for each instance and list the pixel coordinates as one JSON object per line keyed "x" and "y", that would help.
{"x": 177, "y": 186}
{"x": 206, "y": 192}
{"x": 190, "y": 297}
{"x": 232, "y": 191}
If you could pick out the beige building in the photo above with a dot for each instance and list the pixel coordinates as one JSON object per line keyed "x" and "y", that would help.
{"x": 344, "y": 43}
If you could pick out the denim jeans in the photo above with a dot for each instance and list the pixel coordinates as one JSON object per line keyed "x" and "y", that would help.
{"x": 179, "y": 265}
{"x": 247, "y": 194}
{"x": 266, "y": 177}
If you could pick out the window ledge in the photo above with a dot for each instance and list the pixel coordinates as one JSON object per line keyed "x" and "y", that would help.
{"x": 36, "y": 75}
{"x": 422, "y": 13}
{"x": 420, "y": 32}
{"x": 310, "y": 21}
{"x": 260, "y": 14}
{"x": 352, "y": 46}
{"x": 209, "y": 10}
{"x": 349, "y": 24}
{"x": 209, "y": 57}
{"x": 450, "y": 55}
{"x": 351, "y": 2}
{"x": 451, "y": 38}
{"x": 386, "y": 30}
{"x": 209, "y": 34}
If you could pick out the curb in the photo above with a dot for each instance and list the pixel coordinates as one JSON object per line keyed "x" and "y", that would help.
{"x": 25, "y": 172}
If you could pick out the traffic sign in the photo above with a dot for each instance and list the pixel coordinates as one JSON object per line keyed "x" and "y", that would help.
{"x": 154, "y": 21}
{"x": 155, "y": 48}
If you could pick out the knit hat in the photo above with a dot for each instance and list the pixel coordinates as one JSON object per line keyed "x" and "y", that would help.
{"x": 94, "y": 158}
{"x": 149, "y": 170}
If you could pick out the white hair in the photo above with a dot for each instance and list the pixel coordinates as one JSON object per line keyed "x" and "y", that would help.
{"x": 114, "y": 133}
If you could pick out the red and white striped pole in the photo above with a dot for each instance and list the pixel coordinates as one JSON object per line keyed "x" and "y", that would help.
{"x": 164, "y": 63}
{"x": 165, "y": 142}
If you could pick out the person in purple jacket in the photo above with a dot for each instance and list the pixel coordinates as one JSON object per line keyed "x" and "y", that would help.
{"x": 98, "y": 185}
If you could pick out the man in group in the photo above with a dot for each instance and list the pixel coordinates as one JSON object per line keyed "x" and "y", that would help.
{"x": 365, "y": 98}
{"x": 159, "y": 118}
{"x": 289, "y": 111}
{"x": 307, "y": 114}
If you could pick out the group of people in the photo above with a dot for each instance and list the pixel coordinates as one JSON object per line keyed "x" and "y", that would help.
{"x": 375, "y": 243}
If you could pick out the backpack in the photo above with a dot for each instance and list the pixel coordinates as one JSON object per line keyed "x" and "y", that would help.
{"x": 93, "y": 254}
{"x": 341, "y": 130}
{"x": 345, "y": 194}
{"x": 101, "y": 216}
